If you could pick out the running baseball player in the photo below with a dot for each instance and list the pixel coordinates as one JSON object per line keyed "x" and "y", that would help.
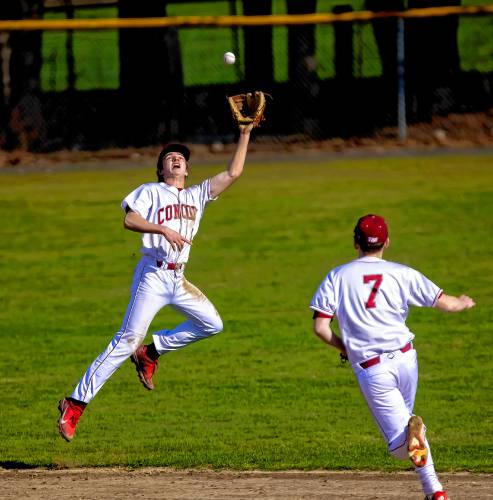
{"x": 168, "y": 216}
{"x": 370, "y": 297}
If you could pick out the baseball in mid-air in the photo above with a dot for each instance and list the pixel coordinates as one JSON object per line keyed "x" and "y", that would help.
{"x": 229, "y": 58}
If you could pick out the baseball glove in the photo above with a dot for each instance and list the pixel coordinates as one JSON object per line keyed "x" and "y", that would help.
{"x": 248, "y": 108}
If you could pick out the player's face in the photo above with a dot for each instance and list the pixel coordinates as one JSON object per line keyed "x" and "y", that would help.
{"x": 174, "y": 165}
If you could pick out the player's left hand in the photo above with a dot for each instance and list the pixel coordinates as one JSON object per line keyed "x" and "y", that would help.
{"x": 248, "y": 108}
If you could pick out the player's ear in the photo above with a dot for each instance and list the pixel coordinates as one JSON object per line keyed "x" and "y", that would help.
{"x": 387, "y": 243}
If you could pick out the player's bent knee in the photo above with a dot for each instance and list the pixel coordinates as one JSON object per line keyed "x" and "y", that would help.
{"x": 217, "y": 326}
{"x": 213, "y": 325}
{"x": 210, "y": 325}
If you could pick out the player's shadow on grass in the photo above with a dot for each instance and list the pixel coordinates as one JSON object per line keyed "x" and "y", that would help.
{"x": 11, "y": 464}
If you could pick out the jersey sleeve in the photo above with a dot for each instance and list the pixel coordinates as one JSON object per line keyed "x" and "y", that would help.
{"x": 139, "y": 200}
{"x": 324, "y": 299}
{"x": 422, "y": 291}
{"x": 204, "y": 193}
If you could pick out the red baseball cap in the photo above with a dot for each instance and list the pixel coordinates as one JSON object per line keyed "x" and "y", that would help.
{"x": 371, "y": 230}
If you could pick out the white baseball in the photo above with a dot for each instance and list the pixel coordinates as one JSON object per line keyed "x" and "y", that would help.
{"x": 229, "y": 58}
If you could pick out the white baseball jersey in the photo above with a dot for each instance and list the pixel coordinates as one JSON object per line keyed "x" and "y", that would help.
{"x": 154, "y": 287}
{"x": 180, "y": 210}
{"x": 371, "y": 299}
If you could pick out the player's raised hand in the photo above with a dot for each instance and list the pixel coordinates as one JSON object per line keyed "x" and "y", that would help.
{"x": 246, "y": 129}
{"x": 176, "y": 240}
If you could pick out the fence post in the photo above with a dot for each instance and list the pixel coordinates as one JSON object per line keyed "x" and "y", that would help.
{"x": 343, "y": 45}
{"x": 259, "y": 70}
{"x": 401, "y": 81}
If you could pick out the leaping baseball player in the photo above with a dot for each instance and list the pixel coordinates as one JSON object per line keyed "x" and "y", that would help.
{"x": 168, "y": 215}
{"x": 370, "y": 297}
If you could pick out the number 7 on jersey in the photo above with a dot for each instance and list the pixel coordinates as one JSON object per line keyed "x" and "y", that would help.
{"x": 377, "y": 278}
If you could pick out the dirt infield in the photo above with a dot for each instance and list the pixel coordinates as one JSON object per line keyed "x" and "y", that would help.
{"x": 153, "y": 483}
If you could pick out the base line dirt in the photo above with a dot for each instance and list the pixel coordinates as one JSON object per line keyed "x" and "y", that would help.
{"x": 154, "y": 483}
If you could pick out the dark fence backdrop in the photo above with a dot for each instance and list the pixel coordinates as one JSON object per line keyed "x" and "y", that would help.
{"x": 137, "y": 87}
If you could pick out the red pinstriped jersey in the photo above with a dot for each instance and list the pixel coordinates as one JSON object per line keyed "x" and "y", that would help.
{"x": 370, "y": 298}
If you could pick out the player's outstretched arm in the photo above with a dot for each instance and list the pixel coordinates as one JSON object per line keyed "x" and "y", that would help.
{"x": 223, "y": 180}
{"x": 322, "y": 329}
{"x": 449, "y": 303}
{"x": 134, "y": 222}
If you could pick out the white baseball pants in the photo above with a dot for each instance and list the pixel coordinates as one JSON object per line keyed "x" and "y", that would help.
{"x": 389, "y": 389}
{"x": 152, "y": 289}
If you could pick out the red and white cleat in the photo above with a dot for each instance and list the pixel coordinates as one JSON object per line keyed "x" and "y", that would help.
{"x": 70, "y": 412}
{"x": 145, "y": 366}
{"x": 416, "y": 444}
{"x": 438, "y": 495}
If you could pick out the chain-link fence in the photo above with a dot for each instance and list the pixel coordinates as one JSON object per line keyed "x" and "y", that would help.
{"x": 94, "y": 89}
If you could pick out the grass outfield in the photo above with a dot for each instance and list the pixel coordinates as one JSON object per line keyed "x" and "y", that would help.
{"x": 265, "y": 393}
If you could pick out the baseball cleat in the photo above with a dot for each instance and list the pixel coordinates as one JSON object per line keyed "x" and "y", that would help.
{"x": 145, "y": 366}
{"x": 416, "y": 445}
{"x": 70, "y": 412}
{"x": 438, "y": 495}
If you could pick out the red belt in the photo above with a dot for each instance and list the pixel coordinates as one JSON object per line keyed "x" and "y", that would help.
{"x": 169, "y": 265}
{"x": 374, "y": 361}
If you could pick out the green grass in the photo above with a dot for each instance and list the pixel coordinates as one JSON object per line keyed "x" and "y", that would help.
{"x": 265, "y": 393}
